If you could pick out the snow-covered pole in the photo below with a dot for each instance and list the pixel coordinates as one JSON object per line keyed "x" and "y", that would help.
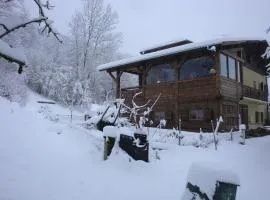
{"x": 214, "y": 134}
{"x": 242, "y": 129}
{"x": 231, "y": 133}
{"x": 216, "y": 130}
{"x": 179, "y": 130}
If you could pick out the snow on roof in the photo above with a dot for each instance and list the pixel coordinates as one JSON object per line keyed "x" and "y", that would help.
{"x": 164, "y": 44}
{"x": 206, "y": 175}
{"x": 14, "y": 53}
{"x": 172, "y": 51}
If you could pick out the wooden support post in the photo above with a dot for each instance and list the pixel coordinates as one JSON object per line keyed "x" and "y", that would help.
{"x": 105, "y": 157}
{"x": 118, "y": 86}
{"x": 217, "y": 75}
{"x": 113, "y": 77}
{"x": 117, "y": 81}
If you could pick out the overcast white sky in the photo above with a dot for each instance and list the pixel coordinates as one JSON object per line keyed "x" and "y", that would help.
{"x": 144, "y": 23}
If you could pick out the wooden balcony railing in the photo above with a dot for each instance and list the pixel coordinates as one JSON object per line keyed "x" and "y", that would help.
{"x": 128, "y": 93}
{"x": 254, "y": 93}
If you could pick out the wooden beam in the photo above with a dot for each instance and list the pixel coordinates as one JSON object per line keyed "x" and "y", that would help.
{"x": 218, "y": 82}
{"x": 118, "y": 81}
{"x": 113, "y": 77}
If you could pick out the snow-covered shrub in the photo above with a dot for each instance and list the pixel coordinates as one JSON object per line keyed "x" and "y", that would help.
{"x": 48, "y": 114}
{"x": 12, "y": 85}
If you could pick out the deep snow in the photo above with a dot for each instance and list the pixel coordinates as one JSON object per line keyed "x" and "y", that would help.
{"x": 45, "y": 160}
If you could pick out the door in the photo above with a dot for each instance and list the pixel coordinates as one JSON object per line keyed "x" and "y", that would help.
{"x": 244, "y": 114}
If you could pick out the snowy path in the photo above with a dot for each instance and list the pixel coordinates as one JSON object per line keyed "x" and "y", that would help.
{"x": 38, "y": 163}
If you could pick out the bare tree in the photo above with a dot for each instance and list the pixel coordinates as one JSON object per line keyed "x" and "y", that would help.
{"x": 137, "y": 111}
{"x": 94, "y": 41}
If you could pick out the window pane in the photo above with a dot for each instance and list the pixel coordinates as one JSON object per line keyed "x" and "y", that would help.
{"x": 238, "y": 71}
{"x": 161, "y": 73}
{"x": 223, "y": 65}
{"x": 232, "y": 73}
{"x": 257, "y": 117}
{"x": 196, "y": 114}
{"x": 198, "y": 67}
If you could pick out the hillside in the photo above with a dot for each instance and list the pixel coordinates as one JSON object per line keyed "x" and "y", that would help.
{"x": 44, "y": 159}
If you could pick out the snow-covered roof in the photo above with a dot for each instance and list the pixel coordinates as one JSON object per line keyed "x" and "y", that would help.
{"x": 13, "y": 53}
{"x": 174, "y": 50}
{"x": 165, "y": 44}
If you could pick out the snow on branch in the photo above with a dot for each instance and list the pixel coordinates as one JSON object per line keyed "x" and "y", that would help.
{"x": 9, "y": 30}
{"x": 48, "y": 23}
{"x": 41, "y": 19}
{"x": 12, "y": 55}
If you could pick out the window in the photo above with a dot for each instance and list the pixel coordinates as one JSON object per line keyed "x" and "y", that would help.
{"x": 262, "y": 86}
{"x": 196, "y": 114}
{"x": 262, "y": 120}
{"x": 232, "y": 73}
{"x": 197, "y": 67}
{"x": 223, "y": 65}
{"x": 228, "y": 67}
{"x": 161, "y": 73}
{"x": 159, "y": 116}
{"x": 257, "y": 117}
{"x": 238, "y": 71}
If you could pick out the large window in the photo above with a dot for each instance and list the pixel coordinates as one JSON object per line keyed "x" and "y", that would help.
{"x": 232, "y": 70}
{"x": 198, "y": 67}
{"x": 161, "y": 73}
{"x": 196, "y": 114}
{"x": 223, "y": 65}
{"x": 228, "y": 67}
{"x": 238, "y": 71}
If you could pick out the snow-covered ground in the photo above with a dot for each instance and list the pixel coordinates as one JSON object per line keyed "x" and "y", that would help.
{"x": 46, "y": 159}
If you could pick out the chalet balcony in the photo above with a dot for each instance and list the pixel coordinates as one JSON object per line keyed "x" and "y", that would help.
{"x": 254, "y": 93}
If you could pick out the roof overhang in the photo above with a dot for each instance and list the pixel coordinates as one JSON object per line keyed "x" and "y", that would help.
{"x": 139, "y": 60}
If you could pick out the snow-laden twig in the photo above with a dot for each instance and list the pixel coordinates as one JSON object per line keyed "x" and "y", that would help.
{"x": 42, "y": 18}
{"x": 9, "y": 30}
{"x": 48, "y": 24}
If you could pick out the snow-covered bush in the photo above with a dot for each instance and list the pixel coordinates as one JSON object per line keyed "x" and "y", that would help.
{"x": 48, "y": 114}
{"x": 12, "y": 85}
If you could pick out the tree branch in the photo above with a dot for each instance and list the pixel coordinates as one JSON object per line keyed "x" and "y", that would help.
{"x": 42, "y": 18}
{"x": 47, "y": 24}
{"x": 37, "y": 20}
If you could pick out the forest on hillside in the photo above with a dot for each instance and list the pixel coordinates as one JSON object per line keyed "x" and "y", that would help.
{"x": 61, "y": 67}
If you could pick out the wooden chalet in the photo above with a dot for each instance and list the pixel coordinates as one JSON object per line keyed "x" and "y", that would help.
{"x": 200, "y": 81}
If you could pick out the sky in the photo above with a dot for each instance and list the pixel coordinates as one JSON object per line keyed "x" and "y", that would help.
{"x": 144, "y": 23}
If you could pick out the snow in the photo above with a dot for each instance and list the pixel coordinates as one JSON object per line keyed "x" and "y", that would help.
{"x": 174, "y": 50}
{"x": 110, "y": 131}
{"x": 242, "y": 127}
{"x": 15, "y": 53}
{"x": 47, "y": 160}
{"x": 164, "y": 44}
{"x": 205, "y": 175}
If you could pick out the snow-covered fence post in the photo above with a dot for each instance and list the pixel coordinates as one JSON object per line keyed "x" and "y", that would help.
{"x": 214, "y": 134}
{"x": 231, "y": 133}
{"x": 109, "y": 134}
{"x": 242, "y": 129}
{"x": 216, "y": 130}
{"x": 179, "y": 132}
